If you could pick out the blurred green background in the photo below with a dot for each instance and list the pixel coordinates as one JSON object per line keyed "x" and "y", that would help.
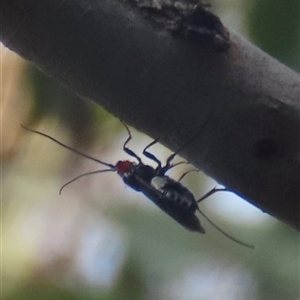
{"x": 101, "y": 240}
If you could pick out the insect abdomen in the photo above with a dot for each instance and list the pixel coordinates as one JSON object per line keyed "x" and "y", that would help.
{"x": 177, "y": 201}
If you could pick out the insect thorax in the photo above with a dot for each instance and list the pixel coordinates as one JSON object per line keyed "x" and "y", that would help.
{"x": 138, "y": 175}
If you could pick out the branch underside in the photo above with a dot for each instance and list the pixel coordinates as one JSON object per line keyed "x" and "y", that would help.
{"x": 156, "y": 76}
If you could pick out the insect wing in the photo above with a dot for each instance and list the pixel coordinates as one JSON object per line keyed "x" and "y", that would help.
{"x": 172, "y": 199}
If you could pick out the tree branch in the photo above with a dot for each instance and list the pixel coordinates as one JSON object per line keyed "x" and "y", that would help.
{"x": 174, "y": 73}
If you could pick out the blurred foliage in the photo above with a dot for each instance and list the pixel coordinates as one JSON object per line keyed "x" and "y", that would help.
{"x": 130, "y": 286}
{"x": 274, "y": 26}
{"x": 53, "y": 246}
{"x": 52, "y": 99}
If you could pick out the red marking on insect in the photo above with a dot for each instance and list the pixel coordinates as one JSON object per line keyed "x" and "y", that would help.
{"x": 123, "y": 166}
{"x": 169, "y": 195}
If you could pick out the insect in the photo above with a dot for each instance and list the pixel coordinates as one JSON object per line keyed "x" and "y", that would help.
{"x": 169, "y": 195}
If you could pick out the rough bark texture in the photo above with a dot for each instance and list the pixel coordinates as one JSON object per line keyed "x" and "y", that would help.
{"x": 172, "y": 71}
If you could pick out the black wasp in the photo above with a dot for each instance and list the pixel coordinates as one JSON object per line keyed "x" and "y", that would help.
{"x": 168, "y": 194}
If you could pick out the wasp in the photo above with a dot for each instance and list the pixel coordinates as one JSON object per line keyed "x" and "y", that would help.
{"x": 170, "y": 195}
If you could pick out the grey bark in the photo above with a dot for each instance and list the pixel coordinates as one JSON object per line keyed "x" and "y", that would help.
{"x": 238, "y": 107}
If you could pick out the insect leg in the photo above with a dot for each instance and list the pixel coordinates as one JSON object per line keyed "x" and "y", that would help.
{"x": 126, "y": 149}
{"x": 168, "y": 165}
{"x": 150, "y": 155}
{"x": 145, "y": 152}
{"x": 185, "y": 173}
{"x": 211, "y": 192}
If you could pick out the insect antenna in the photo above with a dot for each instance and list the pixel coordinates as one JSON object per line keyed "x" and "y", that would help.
{"x": 225, "y": 233}
{"x": 208, "y": 194}
{"x": 111, "y": 166}
{"x": 82, "y": 175}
